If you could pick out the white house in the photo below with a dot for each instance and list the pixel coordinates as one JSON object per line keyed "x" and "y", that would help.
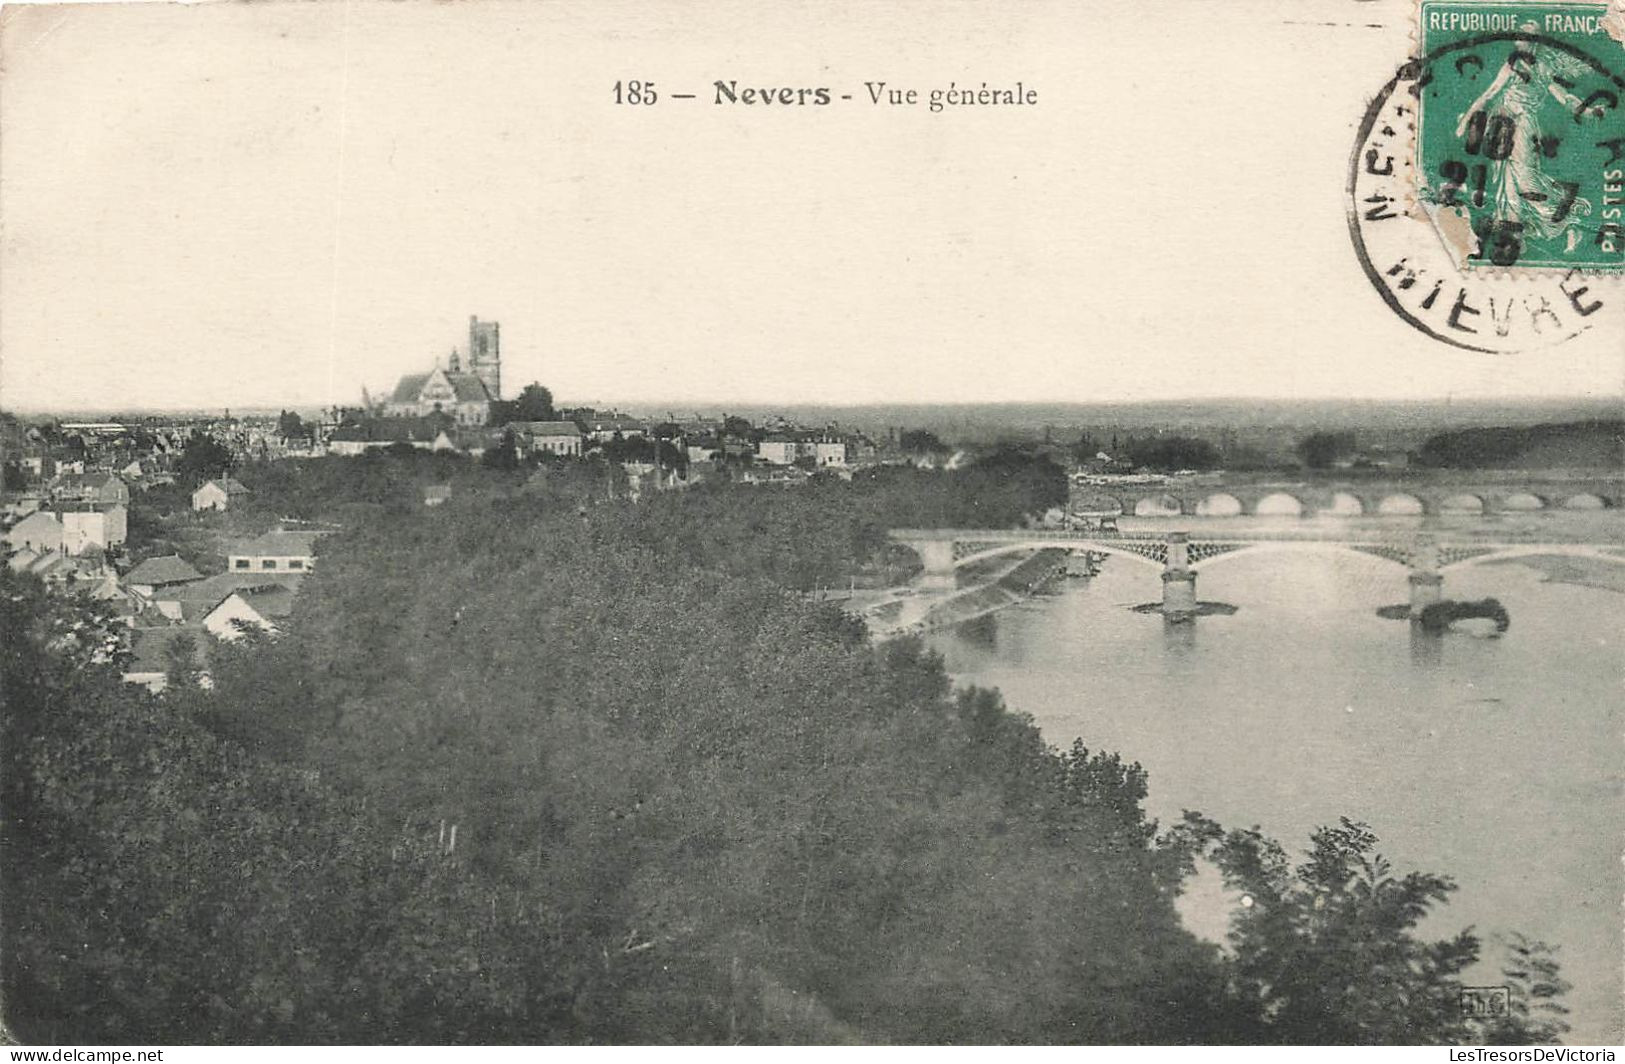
{"x": 829, "y": 453}
{"x": 562, "y": 438}
{"x": 551, "y": 437}
{"x": 259, "y": 607}
{"x": 84, "y": 530}
{"x": 345, "y": 447}
{"x": 778, "y": 450}
{"x": 217, "y": 494}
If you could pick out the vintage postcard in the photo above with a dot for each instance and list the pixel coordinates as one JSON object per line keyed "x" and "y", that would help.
{"x": 554, "y": 522}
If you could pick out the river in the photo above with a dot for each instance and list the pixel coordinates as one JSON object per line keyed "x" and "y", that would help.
{"x": 1496, "y": 761}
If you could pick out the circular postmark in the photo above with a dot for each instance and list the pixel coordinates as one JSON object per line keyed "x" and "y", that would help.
{"x": 1486, "y": 190}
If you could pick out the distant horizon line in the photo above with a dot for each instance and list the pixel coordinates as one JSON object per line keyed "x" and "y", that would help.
{"x": 722, "y": 407}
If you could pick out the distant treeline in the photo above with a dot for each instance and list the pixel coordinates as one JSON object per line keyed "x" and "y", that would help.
{"x": 1597, "y": 443}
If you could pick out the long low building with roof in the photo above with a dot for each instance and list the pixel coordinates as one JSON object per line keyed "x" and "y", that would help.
{"x": 279, "y": 551}
{"x": 561, "y": 438}
{"x": 165, "y": 571}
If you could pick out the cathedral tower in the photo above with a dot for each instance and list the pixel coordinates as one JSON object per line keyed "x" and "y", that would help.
{"x": 485, "y": 353}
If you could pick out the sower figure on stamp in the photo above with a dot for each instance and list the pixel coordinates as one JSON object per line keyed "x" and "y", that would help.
{"x": 1503, "y": 125}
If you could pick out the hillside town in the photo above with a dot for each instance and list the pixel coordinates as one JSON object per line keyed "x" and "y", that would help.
{"x": 73, "y": 489}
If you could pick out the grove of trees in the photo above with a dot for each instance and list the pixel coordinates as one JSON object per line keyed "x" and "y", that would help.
{"x": 1170, "y": 454}
{"x": 533, "y": 403}
{"x": 203, "y": 458}
{"x": 1598, "y": 443}
{"x": 1319, "y": 450}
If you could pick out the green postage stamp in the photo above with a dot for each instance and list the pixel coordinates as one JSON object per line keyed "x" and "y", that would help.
{"x": 1520, "y": 133}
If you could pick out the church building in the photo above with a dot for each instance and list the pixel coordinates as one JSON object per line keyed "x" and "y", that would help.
{"x": 464, "y": 395}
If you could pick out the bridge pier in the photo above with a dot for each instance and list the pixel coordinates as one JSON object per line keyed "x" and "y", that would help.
{"x": 1426, "y": 589}
{"x": 938, "y": 556}
{"x": 1427, "y": 583}
{"x": 1178, "y": 581}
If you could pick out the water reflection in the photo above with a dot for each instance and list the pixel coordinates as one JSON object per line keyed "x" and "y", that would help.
{"x": 1180, "y": 636}
{"x": 1427, "y": 648}
{"x": 981, "y": 631}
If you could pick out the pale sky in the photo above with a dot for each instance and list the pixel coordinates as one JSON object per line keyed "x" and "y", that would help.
{"x": 279, "y": 203}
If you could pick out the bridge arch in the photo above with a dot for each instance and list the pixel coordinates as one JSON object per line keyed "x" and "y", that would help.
{"x": 1279, "y": 504}
{"x": 1345, "y": 504}
{"x": 1586, "y": 500}
{"x": 1287, "y": 546}
{"x": 1464, "y": 502}
{"x": 1401, "y": 504}
{"x": 1523, "y": 502}
{"x": 1219, "y": 504}
{"x": 1159, "y": 506}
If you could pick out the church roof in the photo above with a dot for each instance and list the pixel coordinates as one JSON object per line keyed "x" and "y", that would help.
{"x": 467, "y": 387}
{"x": 409, "y": 387}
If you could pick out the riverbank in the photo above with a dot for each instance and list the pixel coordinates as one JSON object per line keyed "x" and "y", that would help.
{"x": 1566, "y": 569}
{"x": 921, "y": 613}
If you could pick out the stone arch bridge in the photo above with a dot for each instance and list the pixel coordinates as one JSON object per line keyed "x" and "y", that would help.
{"x": 1179, "y": 557}
{"x": 1227, "y": 496}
